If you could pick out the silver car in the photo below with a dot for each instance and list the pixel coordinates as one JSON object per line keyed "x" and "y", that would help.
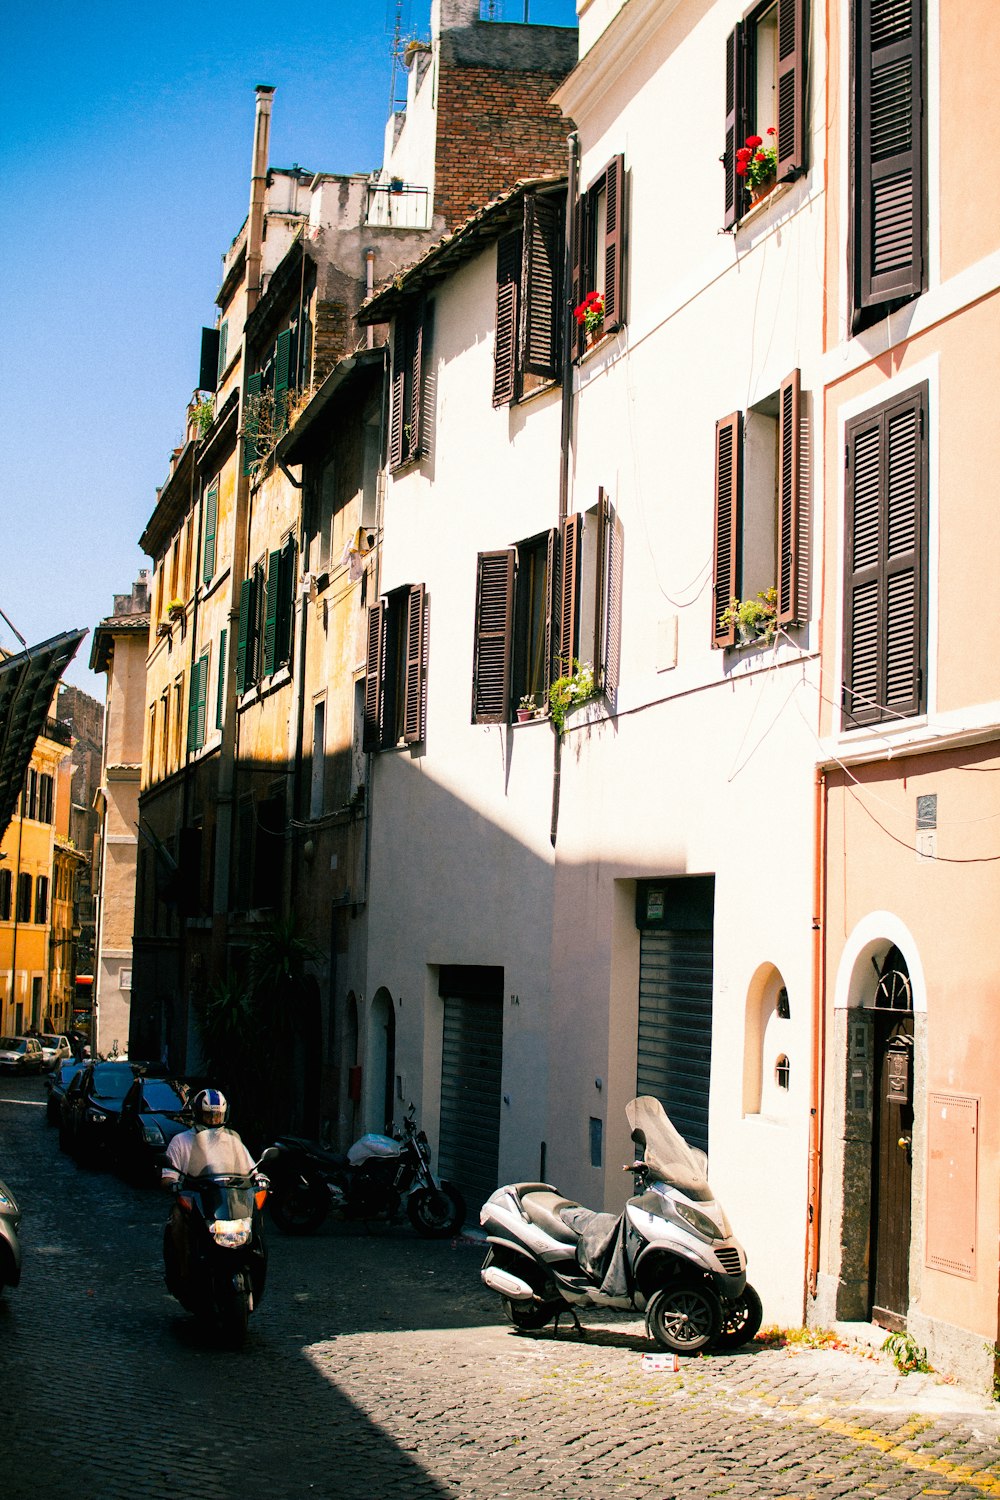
{"x": 10, "y": 1249}
{"x": 55, "y": 1049}
{"x": 20, "y": 1054}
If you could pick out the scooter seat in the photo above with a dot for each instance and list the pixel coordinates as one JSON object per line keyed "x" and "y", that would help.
{"x": 543, "y": 1207}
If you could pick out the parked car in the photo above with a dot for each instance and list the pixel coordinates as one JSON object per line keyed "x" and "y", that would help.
{"x": 88, "y": 1118}
{"x": 153, "y": 1111}
{"x": 54, "y": 1048}
{"x": 20, "y": 1054}
{"x": 56, "y": 1085}
{"x": 10, "y": 1248}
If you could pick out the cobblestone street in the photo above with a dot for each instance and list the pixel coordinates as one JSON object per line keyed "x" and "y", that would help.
{"x": 378, "y": 1366}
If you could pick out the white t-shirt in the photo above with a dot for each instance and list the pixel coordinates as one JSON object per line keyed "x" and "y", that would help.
{"x": 206, "y": 1149}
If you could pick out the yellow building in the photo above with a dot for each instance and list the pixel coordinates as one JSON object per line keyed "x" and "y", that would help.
{"x": 28, "y": 882}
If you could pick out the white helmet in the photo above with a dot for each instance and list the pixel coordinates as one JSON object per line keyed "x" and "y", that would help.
{"x": 209, "y": 1107}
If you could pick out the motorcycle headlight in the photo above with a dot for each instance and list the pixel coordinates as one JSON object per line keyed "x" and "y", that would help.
{"x": 97, "y": 1116}
{"x": 230, "y": 1232}
{"x": 699, "y": 1221}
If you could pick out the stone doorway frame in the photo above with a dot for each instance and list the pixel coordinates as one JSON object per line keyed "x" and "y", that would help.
{"x": 842, "y": 1290}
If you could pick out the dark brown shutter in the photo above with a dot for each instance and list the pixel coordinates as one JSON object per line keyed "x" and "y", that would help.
{"x": 371, "y": 737}
{"x": 885, "y": 560}
{"x": 615, "y": 551}
{"x": 415, "y": 445}
{"x": 505, "y": 349}
{"x": 569, "y": 583}
{"x": 734, "y": 125}
{"x": 789, "y": 510}
{"x": 541, "y": 282}
{"x": 494, "y": 610}
{"x": 552, "y": 602}
{"x": 398, "y": 393}
{"x": 413, "y": 683}
{"x": 578, "y": 290}
{"x": 889, "y": 188}
{"x": 614, "y": 246}
{"x": 791, "y": 121}
{"x": 728, "y": 521}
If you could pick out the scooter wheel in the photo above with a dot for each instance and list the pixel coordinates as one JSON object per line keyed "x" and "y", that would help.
{"x": 684, "y": 1319}
{"x": 436, "y": 1213}
{"x": 741, "y": 1319}
{"x": 234, "y": 1313}
{"x": 299, "y": 1207}
{"x": 530, "y": 1316}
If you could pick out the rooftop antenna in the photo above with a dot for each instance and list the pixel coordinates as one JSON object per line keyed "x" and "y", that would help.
{"x": 397, "y": 16}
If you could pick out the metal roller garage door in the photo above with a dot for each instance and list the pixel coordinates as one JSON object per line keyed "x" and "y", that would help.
{"x": 675, "y": 1026}
{"x": 471, "y": 1067}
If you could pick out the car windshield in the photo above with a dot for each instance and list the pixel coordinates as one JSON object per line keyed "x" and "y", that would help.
{"x": 113, "y": 1080}
{"x": 161, "y": 1095}
{"x": 50, "y": 1041}
{"x": 12, "y": 1043}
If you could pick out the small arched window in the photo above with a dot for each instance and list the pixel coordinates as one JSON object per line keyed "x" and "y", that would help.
{"x": 782, "y": 1071}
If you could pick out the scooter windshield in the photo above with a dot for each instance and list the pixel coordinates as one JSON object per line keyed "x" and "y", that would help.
{"x": 667, "y": 1154}
{"x": 222, "y": 1197}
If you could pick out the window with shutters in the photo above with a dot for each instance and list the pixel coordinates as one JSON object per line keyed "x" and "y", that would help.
{"x": 211, "y": 522}
{"x": 197, "y": 716}
{"x": 761, "y": 514}
{"x": 514, "y": 625}
{"x": 765, "y": 90}
{"x": 269, "y": 393}
{"x": 24, "y": 897}
{"x": 529, "y": 300}
{"x": 42, "y": 899}
{"x": 396, "y": 670}
{"x": 885, "y": 563}
{"x": 888, "y": 166}
{"x": 600, "y": 248}
{"x": 5, "y": 895}
{"x": 590, "y": 593}
{"x": 266, "y": 618}
{"x": 45, "y": 798}
{"x": 409, "y": 421}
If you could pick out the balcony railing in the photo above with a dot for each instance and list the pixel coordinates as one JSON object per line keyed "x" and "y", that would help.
{"x": 397, "y": 205}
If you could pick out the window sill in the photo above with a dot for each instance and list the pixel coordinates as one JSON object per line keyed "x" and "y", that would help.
{"x": 758, "y": 211}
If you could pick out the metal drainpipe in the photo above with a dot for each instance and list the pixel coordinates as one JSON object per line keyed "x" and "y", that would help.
{"x": 369, "y": 288}
{"x": 818, "y": 1040}
{"x": 566, "y": 409}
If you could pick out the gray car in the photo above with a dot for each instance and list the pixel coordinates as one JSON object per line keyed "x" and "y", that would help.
{"x": 20, "y": 1054}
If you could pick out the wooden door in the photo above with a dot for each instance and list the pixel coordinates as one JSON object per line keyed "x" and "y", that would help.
{"x": 892, "y": 1168}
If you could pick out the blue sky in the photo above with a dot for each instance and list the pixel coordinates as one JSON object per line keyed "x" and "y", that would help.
{"x": 125, "y": 144}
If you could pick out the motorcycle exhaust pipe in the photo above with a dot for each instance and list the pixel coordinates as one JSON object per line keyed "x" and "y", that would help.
{"x": 508, "y": 1285}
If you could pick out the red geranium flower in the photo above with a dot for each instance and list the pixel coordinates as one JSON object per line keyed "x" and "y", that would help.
{"x": 755, "y": 140}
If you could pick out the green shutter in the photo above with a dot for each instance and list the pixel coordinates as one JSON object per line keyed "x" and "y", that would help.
{"x": 282, "y": 377}
{"x": 246, "y": 592}
{"x": 223, "y": 340}
{"x": 271, "y": 617}
{"x": 250, "y": 423}
{"x": 220, "y": 695}
{"x": 211, "y": 518}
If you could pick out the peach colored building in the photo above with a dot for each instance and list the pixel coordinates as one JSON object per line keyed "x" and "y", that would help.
{"x": 908, "y": 790}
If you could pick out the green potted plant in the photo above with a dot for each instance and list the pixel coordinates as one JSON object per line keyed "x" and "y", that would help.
{"x": 527, "y": 709}
{"x": 756, "y": 620}
{"x": 577, "y": 687}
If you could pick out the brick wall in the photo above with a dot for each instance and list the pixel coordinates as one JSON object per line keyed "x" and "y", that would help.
{"x": 493, "y": 128}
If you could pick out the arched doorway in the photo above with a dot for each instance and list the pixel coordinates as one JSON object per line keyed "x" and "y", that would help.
{"x": 892, "y": 1142}
{"x": 380, "y": 1062}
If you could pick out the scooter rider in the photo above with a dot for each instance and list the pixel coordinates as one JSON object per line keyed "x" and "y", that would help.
{"x": 207, "y": 1148}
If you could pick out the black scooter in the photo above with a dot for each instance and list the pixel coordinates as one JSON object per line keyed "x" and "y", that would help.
{"x": 214, "y": 1255}
{"x": 377, "y": 1176}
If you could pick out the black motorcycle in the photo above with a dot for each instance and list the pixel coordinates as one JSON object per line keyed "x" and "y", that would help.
{"x": 214, "y": 1255}
{"x": 372, "y": 1182}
